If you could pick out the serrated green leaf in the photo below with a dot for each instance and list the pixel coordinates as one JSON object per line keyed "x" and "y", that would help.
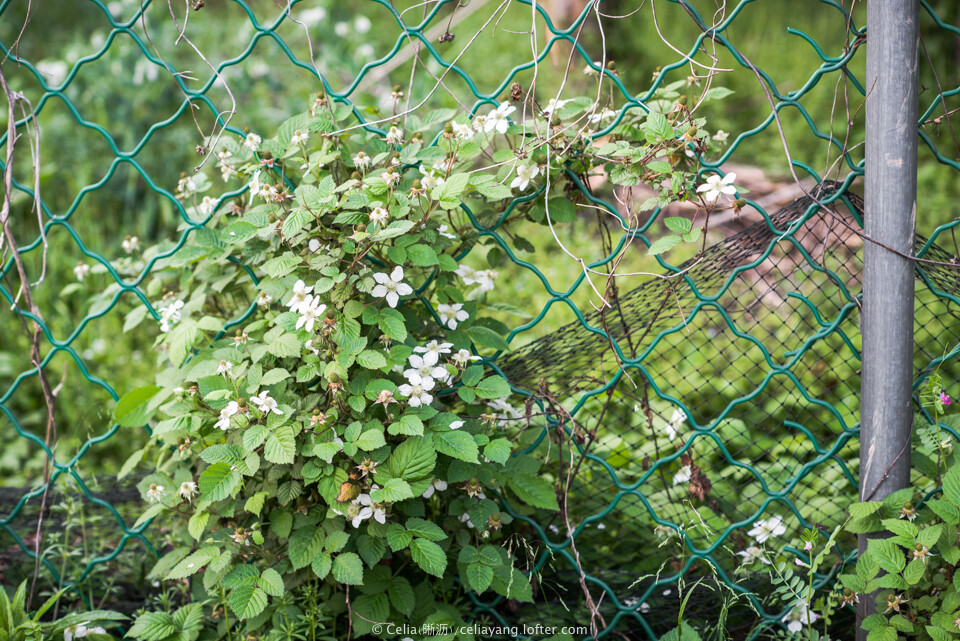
{"x": 348, "y": 569}
{"x": 493, "y": 387}
{"x": 280, "y": 446}
{"x": 217, "y": 482}
{"x": 457, "y": 444}
{"x": 248, "y": 601}
{"x": 429, "y": 556}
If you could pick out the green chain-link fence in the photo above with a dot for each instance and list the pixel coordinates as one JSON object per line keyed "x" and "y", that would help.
{"x": 701, "y": 403}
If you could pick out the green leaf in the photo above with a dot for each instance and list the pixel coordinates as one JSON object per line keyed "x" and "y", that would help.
{"x": 254, "y": 504}
{"x": 391, "y": 323}
{"x": 401, "y": 595}
{"x": 498, "y": 450}
{"x": 371, "y": 359}
{"x": 304, "y": 545}
{"x": 281, "y": 265}
{"x": 863, "y": 510}
{"x": 422, "y": 255}
{"x": 131, "y": 409}
{"x": 193, "y": 563}
{"x": 371, "y": 549}
{"x": 348, "y": 569}
{"x": 534, "y": 491}
{"x": 493, "y": 387}
{"x": 217, "y": 482}
{"x": 413, "y": 460}
{"x": 370, "y": 440}
{"x": 281, "y": 446}
{"x": 321, "y": 564}
{"x": 951, "y": 485}
{"x": 429, "y": 556}
{"x": 472, "y": 375}
{"x": 457, "y": 444}
{"x": 241, "y": 576}
{"x": 487, "y": 337}
{"x": 274, "y": 376}
{"x": 448, "y": 194}
{"x": 271, "y": 582}
{"x": 248, "y": 601}
{"x": 663, "y": 244}
{"x": 407, "y": 425}
{"x": 887, "y": 554}
{"x": 659, "y": 127}
{"x": 398, "y": 537}
{"x": 285, "y": 346}
{"x": 425, "y": 529}
{"x": 153, "y": 626}
{"x": 393, "y": 490}
{"x": 479, "y": 576}
{"x": 945, "y": 510}
{"x": 678, "y": 224}
{"x": 197, "y": 524}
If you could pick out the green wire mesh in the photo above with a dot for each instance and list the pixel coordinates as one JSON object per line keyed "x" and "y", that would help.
{"x": 727, "y": 343}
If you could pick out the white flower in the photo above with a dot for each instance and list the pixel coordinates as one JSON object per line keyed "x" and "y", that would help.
{"x": 485, "y": 279}
{"x": 753, "y": 554}
{"x": 264, "y": 299}
{"x": 170, "y": 314}
{"x": 716, "y": 186}
{"x": 225, "y": 367}
{"x": 451, "y": 315}
{"x": 465, "y": 518}
{"x": 154, "y": 493}
{"x": 361, "y": 160}
{"x": 370, "y": 509}
{"x": 80, "y": 630}
{"x": 362, "y": 24}
{"x": 391, "y": 286}
{"x": 206, "y": 205}
{"x": 436, "y": 485}
{"x": 313, "y": 16}
{"x": 188, "y": 489}
{"x": 590, "y": 71}
{"x": 497, "y": 118}
{"x": 721, "y": 135}
{"x": 676, "y": 420}
{"x": 311, "y": 311}
{"x": 462, "y": 357}
{"x": 300, "y": 295}
{"x": 425, "y": 368}
{"x": 394, "y": 136}
{"x": 416, "y": 390}
{"x": 525, "y": 173}
{"x": 434, "y": 346}
{"x": 479, "y": 123}
{"x": 379, "y": 215}
{"x": 442, "y": 230}
{"x": 224, "y": 423}
{"x": 682, "y": 475}
{"x": 763, "y": 530}
{"x": 456, "y": 425}
{"x": 553, "y": 105}
{"x": 252, "y": 142}
{"x": 130, "y": 244}
{"x": 81, "y": 271}
{"x": 800, "y": 616}
{"x": 504, "y": 409}
{"x": 462, "y": 132}
{"x": 390, "y": 177}
{"x": 265, "y": 403}
{"x": 466, "y": 274}
{"x": 605, "y": 114}
{"x": 299, "y": 137}
{"x": 430, "y": 179}
{"x": 309, "y": 346}
{"x": 254, "y": 185}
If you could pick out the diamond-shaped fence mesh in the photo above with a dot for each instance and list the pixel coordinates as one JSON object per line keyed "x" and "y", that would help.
{"x": 723, "y": 393}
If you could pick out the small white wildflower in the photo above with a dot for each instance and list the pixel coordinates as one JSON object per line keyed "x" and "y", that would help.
{"x": 716, "y": 186}
{"x": 463, "y": 132}
{"x": 154, "y": 493}
{"x": 752, "y": 554}
{"x": 436, "y": 485}
{"x": 682, "y": 475}
{"x": 553, "y": 105}
{"x": 462, "y": 357}
{"x": 452, "y": 315}
{"x": 299, "y": 137}
{"x": 231, "y": 409}
{"x": 263, "y": 298}
{"x": 497, "y": 119}
{"x": 252, "y": 142}
{"x": 425, "y": 368}
{"x": 361, "y": 160}
{"x": 188, "y": 489}
{"x": 676, "y": 420}
{"x": 416, "y": 390}
{"x": 130, "y": 244}
{"x": 225, "y": 368}
{"x": 362, "y": 24}
{"x": 525, "y": 173}
{"x": 170, "y": 314}
{"x": 391, "y": 286}
{"x": 479, "y": 123}
{"x": 721, "y": 136}
{"x": 265, "y": 403}
{"x": 763, "y": 530}
{"x": 394, "y": 136}
{"x": 301, "y": 294}
{"x": 311, "y": 311}
{"x": 800, "y": 616}
{"x": 442, "y": 230}
{"x": 309, "y": 346}
{"x": 81, "y": 271}
{"x": 434, "y": 346}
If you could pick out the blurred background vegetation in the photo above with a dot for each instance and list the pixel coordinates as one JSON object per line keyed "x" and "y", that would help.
{"x": 108, "y": 170}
